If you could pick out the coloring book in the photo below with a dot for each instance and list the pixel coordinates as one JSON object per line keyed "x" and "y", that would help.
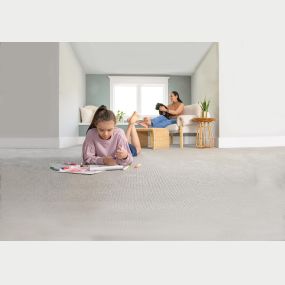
{"x": 74, "y": 168}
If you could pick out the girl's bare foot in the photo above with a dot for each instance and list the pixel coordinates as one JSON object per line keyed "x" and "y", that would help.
{"x": 133, "y": 118}
{"x": 147, "y": 121}
{"x": 143, "y": 124}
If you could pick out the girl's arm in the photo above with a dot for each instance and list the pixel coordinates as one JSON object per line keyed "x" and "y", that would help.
{"x": 178, "y": 111}
{"x": 89, "y": 152}
{"x": 123, "y": 143}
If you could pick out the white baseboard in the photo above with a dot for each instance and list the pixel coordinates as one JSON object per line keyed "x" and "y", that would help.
{"x": 29, "y": 143}
{"x": 224, "y": 142}
{"x": 80, "y": 140}
{"x": 231, "y": 142}
{"x": 40, "y": 142}
{"x": 68, "y": 141}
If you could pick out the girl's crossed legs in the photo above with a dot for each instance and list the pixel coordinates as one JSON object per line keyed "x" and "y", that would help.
{"x": 131, "y": 133}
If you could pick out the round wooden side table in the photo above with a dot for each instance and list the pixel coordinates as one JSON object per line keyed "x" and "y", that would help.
{"x": 205, "y": 137}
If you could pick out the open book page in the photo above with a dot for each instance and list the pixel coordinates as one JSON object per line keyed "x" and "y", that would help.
{"x": 73, "y": 169}
{"x": 94, "y": 167}
{"x": 81, "y": 170}
{"x": 84, "y": 169}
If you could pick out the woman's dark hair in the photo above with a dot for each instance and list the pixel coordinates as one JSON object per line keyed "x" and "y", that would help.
{"x": 101, "y": 115}
{"x": 175, "y": 93}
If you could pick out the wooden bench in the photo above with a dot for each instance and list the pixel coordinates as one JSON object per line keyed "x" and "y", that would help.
{"x": 159, "y": 137}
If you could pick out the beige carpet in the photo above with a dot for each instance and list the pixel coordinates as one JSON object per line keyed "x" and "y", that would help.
{"x": 190, "y": 194}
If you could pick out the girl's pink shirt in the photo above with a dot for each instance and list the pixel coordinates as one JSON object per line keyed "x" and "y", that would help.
{"x": 94, "y": 148}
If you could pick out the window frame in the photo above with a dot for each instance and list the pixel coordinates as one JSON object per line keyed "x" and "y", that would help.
{"x": 139, "y": 81}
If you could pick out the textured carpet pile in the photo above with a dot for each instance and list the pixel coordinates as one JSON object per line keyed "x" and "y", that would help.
{"x": 190, "y": 194}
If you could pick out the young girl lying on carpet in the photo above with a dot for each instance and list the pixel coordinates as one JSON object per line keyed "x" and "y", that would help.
{"x": 106, "y": 144}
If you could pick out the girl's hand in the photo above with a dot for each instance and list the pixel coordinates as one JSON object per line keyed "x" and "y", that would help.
{"x": 162, "y": 109}
{"x": 121, "y": 153}
{"x": 108, "y": 160}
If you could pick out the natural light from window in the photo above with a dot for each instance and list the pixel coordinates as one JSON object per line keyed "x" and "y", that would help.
{"x": 130, "y": 93}
{"x": 151, "y": 95}
{"x": 125, "y": 99}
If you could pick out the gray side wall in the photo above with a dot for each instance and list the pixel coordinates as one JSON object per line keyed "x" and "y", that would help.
{"x": 205, "y": 83}
{"x": 29, "y": 90}
{"x": 71, "y": 94}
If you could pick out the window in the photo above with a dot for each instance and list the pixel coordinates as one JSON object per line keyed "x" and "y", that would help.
{"x": 124, "y": 98}
{"x": 131, "y": 93}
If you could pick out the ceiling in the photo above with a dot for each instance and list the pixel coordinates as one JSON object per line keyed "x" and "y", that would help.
{"x": 141, "y": 58}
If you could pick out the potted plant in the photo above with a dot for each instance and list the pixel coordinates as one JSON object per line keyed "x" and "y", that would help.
{"x": 120, "y": 116}
{"x": 204, "y": 108}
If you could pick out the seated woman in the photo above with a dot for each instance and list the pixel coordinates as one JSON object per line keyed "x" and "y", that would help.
{"x": 174, "y": 109}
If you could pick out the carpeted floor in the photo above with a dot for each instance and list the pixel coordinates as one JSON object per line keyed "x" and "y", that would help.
{"x": 190, "y": 194}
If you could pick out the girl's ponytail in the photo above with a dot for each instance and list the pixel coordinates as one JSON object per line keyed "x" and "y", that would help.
{"x": 101, "y": 114}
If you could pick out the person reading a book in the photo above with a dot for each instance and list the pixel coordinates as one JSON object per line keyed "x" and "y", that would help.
{"x": 105, "y": 144}
{"x": 172, "y": 111}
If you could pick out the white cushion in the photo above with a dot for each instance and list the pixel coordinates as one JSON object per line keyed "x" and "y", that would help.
{"x": 190, "y": 129}
{"x": 185, "y": 120}
{"x": 189, "y": 112}
{"x": 87, "y": 113}
{"x": 91, "y": 107}
{"x": 193, "y": 109}
{"x": 173, "y": 128}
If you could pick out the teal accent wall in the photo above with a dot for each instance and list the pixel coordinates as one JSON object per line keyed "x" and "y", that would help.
{"x": 82, "y": 130}
{"x": 181, "y": 84}
{"x": 98, "y": 88}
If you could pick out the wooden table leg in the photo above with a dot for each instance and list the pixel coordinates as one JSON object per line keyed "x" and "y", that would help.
{"x": 152, "y": 139}
{"x": 201, "y": 134}
{"x": 171, "y": 138}
{"x": 211, "y": 136}
{"x": 197, "y": 136}
{"x": 181, "y": 137}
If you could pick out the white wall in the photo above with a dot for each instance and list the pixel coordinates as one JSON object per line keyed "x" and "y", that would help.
{"x": 252, "y": 93}
{"x": 71, "y": 95}
{"x": 250, "y": 105}
{"x": 205, "y": 83}
{"x": 28, "y": 94}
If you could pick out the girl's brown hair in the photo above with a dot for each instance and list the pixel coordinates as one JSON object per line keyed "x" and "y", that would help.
{"x": 101, "y": 115}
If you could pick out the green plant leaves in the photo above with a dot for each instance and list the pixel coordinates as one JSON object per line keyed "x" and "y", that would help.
{"x": 120, "y": 115}
{"x": 204, "y": 105}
